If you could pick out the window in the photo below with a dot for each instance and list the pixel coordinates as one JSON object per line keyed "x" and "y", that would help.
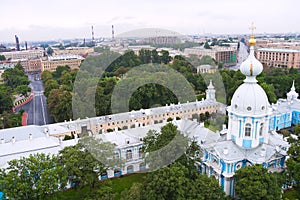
{"x": 141, "y": 153}
{"x": 130, "y": 169}
{"x": 238, "y": 166}
{"x": 247, "y": 130}
{"x": 128, "y": 154}
{"x": 261, "y": 129}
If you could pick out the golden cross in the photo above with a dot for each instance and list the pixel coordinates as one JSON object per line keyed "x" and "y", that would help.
{"x": 252, "y": 28}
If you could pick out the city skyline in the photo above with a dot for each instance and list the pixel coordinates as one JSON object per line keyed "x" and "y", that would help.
{"x": 34, "y": 20}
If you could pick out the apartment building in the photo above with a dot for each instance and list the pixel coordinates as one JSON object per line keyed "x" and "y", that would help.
{"x": 73, "y": 61}
{"x": 26, "y": 54}
{"x": 225, "y": 55}
{"x": 74, "y": 50}
{"x": 275, "y": 57}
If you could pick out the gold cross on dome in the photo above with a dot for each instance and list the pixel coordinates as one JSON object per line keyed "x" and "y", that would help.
{"x": 252, "y": 28}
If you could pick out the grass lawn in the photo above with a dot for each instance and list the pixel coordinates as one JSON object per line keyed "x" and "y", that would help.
{"x": 118, "y": 185}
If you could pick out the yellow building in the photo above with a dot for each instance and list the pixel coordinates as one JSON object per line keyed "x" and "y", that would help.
{"x": 74, "y": 50}
{"x": 73, "y": 61}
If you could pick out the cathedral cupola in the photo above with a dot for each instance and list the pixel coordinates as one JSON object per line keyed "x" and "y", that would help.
{"x": 249, "y": 109}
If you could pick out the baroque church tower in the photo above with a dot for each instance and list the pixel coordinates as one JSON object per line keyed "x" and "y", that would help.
{"x": 249, "y": 139}
{"x": 249, "y": 112}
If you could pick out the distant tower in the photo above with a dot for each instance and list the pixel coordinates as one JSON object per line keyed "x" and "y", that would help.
{"x": 211, "y": 92}
{"x": 17, "y": 43}
{"x": 26, "y": 45}
{"x": 84, "y": 42}
{"x": 112, "y": 32}
{"x": 93, "y": 38}
{"x": 292, "y": 95}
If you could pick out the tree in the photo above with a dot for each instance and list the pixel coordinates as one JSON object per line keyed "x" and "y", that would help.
{"x": 293, "y": 164}
{"x": 5, "y": 100}
{"x": 59, "y": 70}
{"x": 104, "y": 193}
{"x": 33, "y": 177}
{"x": 46, "y": 75}
{"x": 80, "y": 165}
{"x": 175, "y": 182}
{"x": 206, "y": 46}
{"x": 297, "y": 129}
{"x": 254, "y": 182}
{"x": 207, "y": 60}
{"x": 155, "y": 56}
{"x": 134, "y": 193}
{"x": 60, "y": 104}
{"x": 165, "y": 147}
{"x": 269, "y": 89}
{"x": 23, "y": 89}
{"x": 49, "y": 86}
{"x": 165, "y": 58}
{"x": 85, "y": 161}
{"x": 207, "y": 115}
{"x": 2, "y": 57}
{"x": 49, "y": 51}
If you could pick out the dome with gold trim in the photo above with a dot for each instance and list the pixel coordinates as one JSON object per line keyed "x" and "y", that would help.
{"x": 250, "y": 98}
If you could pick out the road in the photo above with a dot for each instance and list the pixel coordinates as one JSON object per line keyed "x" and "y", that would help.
{"x": 242, "y": 55}
{"x": 37, "y": 110}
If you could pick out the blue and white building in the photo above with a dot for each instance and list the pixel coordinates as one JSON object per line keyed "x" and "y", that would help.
{"x": 251, "y": 137}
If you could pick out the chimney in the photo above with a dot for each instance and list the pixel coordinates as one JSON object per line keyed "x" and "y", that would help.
{"x": 30, "y": 136}
{"x": 17, "y": 43}
{"x": 13, "y": 139}
{"x": 225, "y": 151}
{"x": 263, "y": 152}
{"x": 2, "y": 141}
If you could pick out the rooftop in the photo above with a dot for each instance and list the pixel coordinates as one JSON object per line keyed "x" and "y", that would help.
{"x": 279, "y": 50}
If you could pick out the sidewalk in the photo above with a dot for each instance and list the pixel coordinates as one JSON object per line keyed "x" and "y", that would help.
{"x": 21, "y": 100}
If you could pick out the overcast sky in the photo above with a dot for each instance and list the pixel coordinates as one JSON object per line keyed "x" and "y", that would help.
{"x": 62, "y": 19}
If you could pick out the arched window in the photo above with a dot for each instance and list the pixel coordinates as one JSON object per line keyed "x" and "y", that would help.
{"x": 141, "y": 153}
{"x": 142, "y": 166}
{"x": 248, "y": 130}
{"x": 128, "y": 154}
{"x": 130, "y": 169}
{"x": 261, "y": 129}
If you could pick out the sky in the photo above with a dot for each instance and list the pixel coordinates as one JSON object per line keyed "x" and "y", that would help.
{"x": 34, "y": 20}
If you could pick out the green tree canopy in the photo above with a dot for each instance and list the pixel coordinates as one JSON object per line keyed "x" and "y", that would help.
{"x": 33, "y": 177}
{"x": 176, "y": 182}
{"x": 255, "y": 182}
{"x": 293, "y": 164}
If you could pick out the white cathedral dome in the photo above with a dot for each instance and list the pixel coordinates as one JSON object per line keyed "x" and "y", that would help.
{"x": 250, "y": 98}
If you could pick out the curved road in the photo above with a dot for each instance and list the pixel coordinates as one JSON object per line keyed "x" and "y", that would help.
{"x": 37, "y": 110}
{"x": 242, "y": 55}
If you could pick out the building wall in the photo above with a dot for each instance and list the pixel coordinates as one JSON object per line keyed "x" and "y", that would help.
{"x": 27, "y": 54}
{"x": 76, "y": 51}
{"x": 150, "y": 119}
{"x": 34, "y": 65}
{"x": 52, "y": 65}
{"x": 224, "y": 172}
{"x": 228, "y": 56}
{"x": 285, "y": 58}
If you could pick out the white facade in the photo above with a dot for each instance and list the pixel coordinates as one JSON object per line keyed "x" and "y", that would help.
{"x": 248, "y": 139}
